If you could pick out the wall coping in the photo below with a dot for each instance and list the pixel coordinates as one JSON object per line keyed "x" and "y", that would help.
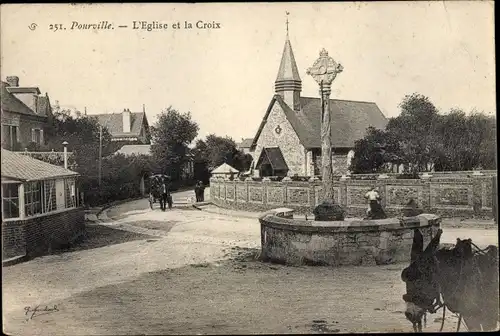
{"x": 354, "y": 181}
{"x": 46, "y": 214}
{"x": 349, "y": 225}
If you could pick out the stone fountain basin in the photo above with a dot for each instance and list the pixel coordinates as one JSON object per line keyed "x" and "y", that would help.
{"x": 339, "y": 243}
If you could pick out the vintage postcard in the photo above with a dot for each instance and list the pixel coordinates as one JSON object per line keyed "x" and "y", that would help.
{"x": 248, "y": 168}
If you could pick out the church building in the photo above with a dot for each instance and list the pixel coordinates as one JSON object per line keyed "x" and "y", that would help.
{"x": 288, "y": 141}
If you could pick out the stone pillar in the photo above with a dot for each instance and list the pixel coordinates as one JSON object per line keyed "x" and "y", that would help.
{"x": 326, "y": 140}
{"x": 20, "y": 190}
{"x": 324, "y": 71}
{"x": 310, "y": 163}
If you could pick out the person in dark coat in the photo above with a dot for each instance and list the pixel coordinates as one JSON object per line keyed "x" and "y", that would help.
{"x": 201, "y": 188}
{"x": 197, "y": 191}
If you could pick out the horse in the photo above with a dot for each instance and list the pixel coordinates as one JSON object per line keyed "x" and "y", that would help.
{"x": 161, "y": 191}
{"x": 466, "y": 280}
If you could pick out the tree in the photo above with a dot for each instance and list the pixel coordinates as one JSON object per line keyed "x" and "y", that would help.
{"x": 422, "y": 140}
{"x": 171, "y": 135}
{"x": 216, "y": 150}
{"x": 220, "y": 150}
{"x": 82, "y": 134}
{"x": 466, "y": 141}
{"x": 415, "y": 130}
{"x": 242, "y": 161}
{"x": 374, "y": 151}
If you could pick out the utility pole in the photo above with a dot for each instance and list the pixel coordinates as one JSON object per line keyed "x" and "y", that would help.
{"x": 100, "y": 154}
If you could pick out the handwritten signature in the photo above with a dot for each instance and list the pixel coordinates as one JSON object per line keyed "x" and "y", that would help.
{"x": 32, "y": 312}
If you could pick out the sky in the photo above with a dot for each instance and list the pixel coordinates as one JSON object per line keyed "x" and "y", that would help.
{"x": 225, "y": 77}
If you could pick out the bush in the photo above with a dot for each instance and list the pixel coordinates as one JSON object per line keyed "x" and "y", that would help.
{"x": 364, "y": 178}
{"x": 300, "y": 178}
{"x": 408, "y": 176}
{"x": 121, "y": 179}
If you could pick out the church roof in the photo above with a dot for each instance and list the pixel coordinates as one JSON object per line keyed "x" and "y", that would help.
{"x": 350, "y": 119}
{"x": 288, "y": 67}
{"x": 274, "y": 157}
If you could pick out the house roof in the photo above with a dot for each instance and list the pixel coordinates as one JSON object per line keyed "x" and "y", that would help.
{"x": 245, "y": 143}
{"x": 135, "y": 150}
{"x": 21, "y": 89}
{"x": 140, "y": 150}
{"x": 350, "y": 119}
{"x": 43, "y": 105}
{"x": 224, "y": 169}
{"x": 274, "y": 157}
{"x": 11, "y": 104}
{"x": 24, "y": 168}
{"x": 114, "y": 123}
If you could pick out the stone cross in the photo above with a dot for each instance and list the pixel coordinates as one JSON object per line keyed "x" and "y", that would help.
{"x": 324, "y": 71}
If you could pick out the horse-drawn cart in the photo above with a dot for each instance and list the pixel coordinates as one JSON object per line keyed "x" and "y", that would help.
{"x": 159, "y": 191}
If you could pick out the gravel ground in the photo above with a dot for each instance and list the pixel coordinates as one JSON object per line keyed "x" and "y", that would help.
{"x": 193, "y": 272}
{"x": 237, "y": 296}
{"x": 97, "y": 236}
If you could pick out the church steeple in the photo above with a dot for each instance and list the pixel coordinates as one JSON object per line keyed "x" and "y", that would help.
{"x": 288, "y": 83}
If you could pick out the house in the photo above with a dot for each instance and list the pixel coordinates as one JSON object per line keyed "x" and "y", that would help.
{"x": 245, "y": 145}
{"x": 288, "y": 140}
{"x": 26, "y": 115}
{"x": 126, "y": 127}
{"x": 40, "y": 206}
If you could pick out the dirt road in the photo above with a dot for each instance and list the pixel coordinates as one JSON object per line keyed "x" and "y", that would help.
{"x": 194, "y": 272}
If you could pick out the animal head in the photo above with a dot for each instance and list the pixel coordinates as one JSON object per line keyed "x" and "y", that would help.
{"x": 463, "y": 249}
{"x": 420, "y": 277}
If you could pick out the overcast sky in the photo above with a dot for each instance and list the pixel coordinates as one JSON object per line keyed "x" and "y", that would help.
{"x": 225, "y": 76}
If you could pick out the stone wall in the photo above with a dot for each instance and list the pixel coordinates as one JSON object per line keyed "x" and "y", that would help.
{"x": 278, "y": 132}
{"x": 467, "y": 197}
{"x": 361, "y": 242}
{"x": 39, "y": 235}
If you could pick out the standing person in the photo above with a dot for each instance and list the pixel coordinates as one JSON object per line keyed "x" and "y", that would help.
{"x": 373, "y": 197}
{"x": 169, "y": 195}
{"x": 197, "y": 191}
{"x": 376, "y": 211}
{"x": 201, "y": 187}
{"x": 163, "y": 195}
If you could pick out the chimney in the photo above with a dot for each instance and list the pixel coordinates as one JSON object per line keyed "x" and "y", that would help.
{"x": 126, "y": 120}
{"x": 13, "y": 81}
